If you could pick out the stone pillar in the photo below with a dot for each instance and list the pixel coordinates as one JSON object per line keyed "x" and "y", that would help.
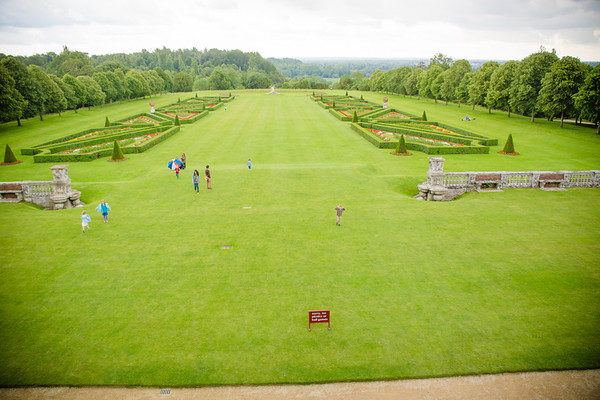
{"x": 435, "y": 175}
{"x": 60, "y": 176}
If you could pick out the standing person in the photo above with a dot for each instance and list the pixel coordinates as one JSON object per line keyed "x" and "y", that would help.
{"x": 249, "y": 164}
{"x": 177, "y": 172}
{"x": 196, "y": 180}
{"x": 103, "y": 208}
{"x": 85, "y": 220}
{"x": 183, "y": 160}
{"x": 339, "y": 210}
{"x": 207, "y": 178}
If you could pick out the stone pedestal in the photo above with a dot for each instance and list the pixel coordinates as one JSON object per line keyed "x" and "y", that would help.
{"x": 59, "y": 201}
{"x": 74, "y": 196}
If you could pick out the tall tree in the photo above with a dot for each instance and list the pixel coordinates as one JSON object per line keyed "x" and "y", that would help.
{"x": 528, "y": 82}
{"x": 427, "y": 83}
{"x": 480, "y": 83}
{"x": 11, "y": 101}
{"x": 587, "y": 100}
{"x": 219, "y": 80}
{"x": 74, "y": 63}
{"x": 67, "y": 93}
{"x": 462, "y": 91}
{"x": 136, "y": 84}
{"x": 79, "y": 91}
{"x": 559, "y": 86}
{"x": 452, "y": 79}
{"x": 52, "y": 98}
{"x": 411, "y": 83}
{"x": 94, "y": 96}
{"x": 442, "y": 60}
{"x": 106, "y": 84}
{"x": 498, "y": 95}
{"x": 25, "y": 85}
{"x": 183, "y": 82}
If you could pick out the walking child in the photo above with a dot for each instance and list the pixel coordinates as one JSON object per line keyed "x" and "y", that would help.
{"x": 85, "y": 220}
{"x": 103, "y": 208}
{"x": 339, "y": 210}
{"x": 177, "y": 172}
{"x": 249, "y": 164}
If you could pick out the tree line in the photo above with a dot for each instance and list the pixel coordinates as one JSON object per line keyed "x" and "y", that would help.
{"x": 53, "y": 83}
{"x": 540, "y": 85}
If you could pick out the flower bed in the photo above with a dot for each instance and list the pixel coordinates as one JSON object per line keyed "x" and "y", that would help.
{"x": 414, "y": 139}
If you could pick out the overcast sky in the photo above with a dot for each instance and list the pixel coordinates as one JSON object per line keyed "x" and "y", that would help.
{"x": 472, "y": 29}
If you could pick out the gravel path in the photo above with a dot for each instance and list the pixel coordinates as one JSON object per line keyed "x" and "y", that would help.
{"x": 563, "y": 385}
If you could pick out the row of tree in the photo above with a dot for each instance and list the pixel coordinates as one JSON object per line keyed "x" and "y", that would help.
{"x": 539, "y": 85}
{"x": 52, "y": 83}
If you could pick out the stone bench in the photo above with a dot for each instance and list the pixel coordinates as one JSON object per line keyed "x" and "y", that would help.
{"x": 488, "y": 182}
{"x": 11, "y": 193}
{"x": 551, "y": 181}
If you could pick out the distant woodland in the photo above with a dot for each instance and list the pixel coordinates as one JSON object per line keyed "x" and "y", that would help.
{"x": 540, "y": 85}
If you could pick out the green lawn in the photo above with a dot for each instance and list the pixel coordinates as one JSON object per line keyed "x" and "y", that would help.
{"x": 487, "y": 283}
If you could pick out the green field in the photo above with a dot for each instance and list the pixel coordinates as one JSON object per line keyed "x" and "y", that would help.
{"x": 490, "y": 282}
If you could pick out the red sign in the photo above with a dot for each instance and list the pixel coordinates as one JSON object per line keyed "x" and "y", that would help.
{"x": 319, "y": 316}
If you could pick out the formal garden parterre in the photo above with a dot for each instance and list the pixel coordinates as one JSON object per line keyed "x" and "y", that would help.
{"x": 134, "y": 134}
{"x": 383, "y": 127}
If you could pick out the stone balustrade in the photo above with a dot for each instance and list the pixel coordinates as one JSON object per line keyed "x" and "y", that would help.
{"x": 442, "y": 185}
{"x": 52, "y": 195}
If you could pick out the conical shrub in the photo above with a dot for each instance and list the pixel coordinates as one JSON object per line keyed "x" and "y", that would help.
{"x": 355, "y": 117}
{"x": 424, "y": 116}
{"x": 117, "y": 154}
{"x": 509, "y": 147}
{"x": 401, "y": 149}
{"x": 106, "y": 123}
{"x": 177, "y": 123}
{"x": 9, "y": 156}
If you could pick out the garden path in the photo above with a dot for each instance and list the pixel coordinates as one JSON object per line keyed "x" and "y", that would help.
{"x": 564, "y": 385}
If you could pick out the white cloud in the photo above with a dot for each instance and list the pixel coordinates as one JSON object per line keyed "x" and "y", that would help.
{"x": 507, "y": 29}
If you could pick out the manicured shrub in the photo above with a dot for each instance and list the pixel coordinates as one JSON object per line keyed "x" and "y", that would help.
{"x": 355, "y": 117}
{"x": 106, "y": 123}
{"x": 9, "y": 156}
{"x": 401, "y": 148}
{"x": 509, "y": 147}
{"x": 117, "y": 154}
{"x": 424, "y": 118}
{"x": 177, "y": 123}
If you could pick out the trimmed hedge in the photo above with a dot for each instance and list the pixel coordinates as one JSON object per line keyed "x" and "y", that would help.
{"x": 53, "y": 157}
{"x": 376, "y": 141}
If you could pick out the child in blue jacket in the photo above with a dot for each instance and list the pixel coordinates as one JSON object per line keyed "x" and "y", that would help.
{"x": 103, "y": 208}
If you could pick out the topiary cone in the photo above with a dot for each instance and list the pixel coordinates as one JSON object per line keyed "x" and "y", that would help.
{"x": 509, "y": 147}
{"x": 106, "y": 123}
{"x": 401, "y": 148}
{"x": 424, "y": 116}
{"x": 9, "y": 156}
{"x": 355, "y": 117}
{"x": 117, "y": 154}
{"x": 177, "y": 123}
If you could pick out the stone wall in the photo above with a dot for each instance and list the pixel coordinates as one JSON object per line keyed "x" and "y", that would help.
{"x": 52, "y": 195}
{"x": 442, "y": 185}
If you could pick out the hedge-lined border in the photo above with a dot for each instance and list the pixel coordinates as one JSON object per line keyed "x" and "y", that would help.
{"x": 161, "y": 123}
{"x": 44, "y": 157}
{"x": 468, "y": 148}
